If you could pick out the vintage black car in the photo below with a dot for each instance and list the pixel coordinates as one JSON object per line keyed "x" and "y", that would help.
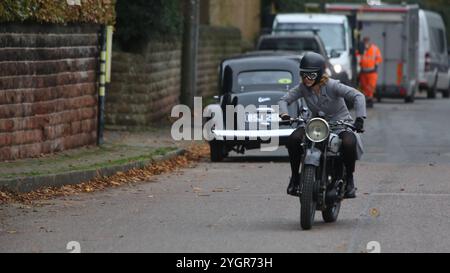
{"x": 256, "y": 81}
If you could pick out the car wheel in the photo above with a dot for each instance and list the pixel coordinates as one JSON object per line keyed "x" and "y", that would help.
{"x": 217, "y": 150}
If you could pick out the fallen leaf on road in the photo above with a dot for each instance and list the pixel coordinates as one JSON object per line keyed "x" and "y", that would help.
{"x": 374, "y": 212}
{"x": 196, "y": 189}
{"x": 203, "y": 194}
{"x": 11, "y": 231}
{"x": 218, "y": 190}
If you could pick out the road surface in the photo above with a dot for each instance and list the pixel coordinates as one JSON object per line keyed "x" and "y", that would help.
{"x": 240, "y": 205}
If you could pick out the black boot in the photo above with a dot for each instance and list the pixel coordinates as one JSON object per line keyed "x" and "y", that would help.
{"x": 350, "y": 190}
{"x": 293, "y": 187}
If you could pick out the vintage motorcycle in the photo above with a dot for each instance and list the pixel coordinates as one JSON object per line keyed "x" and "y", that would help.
{"x": 322, "y": 181}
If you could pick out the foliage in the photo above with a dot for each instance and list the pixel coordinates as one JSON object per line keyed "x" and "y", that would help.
{"x": 57, "y": 11}
{"x": 287, "y": 6}
{"x": 142, "y": 20}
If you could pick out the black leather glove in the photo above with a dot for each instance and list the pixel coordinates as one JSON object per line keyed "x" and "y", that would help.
{"x": 359, "y": 125}
{"x": 285, "y": 117}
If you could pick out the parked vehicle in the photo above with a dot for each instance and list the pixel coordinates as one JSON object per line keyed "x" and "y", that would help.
{"x": 433, "y": 67}
{"x": 259, "y": 79}
{"x": 323, "y": 179}
{"x": 298, "y": 43}
{"x": 333, "y": 30}
{"x": 394, "y": 29}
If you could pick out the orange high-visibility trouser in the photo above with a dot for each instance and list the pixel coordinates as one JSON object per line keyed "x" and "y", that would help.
{"x": 368, "y": 83}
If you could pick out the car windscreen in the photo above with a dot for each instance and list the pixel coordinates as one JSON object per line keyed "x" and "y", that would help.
{"x": 248, "y": 79}
{"x": 290, "y": 44}
{"x": 331, "y": 34}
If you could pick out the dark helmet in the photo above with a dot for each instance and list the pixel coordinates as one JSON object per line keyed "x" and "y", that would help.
{"x": 313, "y": 62}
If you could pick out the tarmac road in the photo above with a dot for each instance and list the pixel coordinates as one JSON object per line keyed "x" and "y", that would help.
{"x": 240, "y": 205}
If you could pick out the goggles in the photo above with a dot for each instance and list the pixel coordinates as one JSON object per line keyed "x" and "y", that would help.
{"x": 309, "y": 75}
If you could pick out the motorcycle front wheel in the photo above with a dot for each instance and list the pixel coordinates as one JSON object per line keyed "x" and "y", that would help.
{"x": 307, "y": 200}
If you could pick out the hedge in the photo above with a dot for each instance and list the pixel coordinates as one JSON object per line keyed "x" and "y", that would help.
{"x": 139, "y": 21}
{"x": 57, "y": 11}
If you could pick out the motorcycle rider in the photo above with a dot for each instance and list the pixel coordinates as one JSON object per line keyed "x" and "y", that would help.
{"x": 325, "y": 95}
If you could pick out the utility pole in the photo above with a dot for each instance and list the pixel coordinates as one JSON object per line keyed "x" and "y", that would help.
{"x": 189, "y": 52}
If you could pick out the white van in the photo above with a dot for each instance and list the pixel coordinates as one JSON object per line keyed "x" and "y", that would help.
{"x": 433, "y": 63}
{"x": 333, "y": 30}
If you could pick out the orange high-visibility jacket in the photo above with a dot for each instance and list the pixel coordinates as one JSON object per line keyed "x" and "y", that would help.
{"x": 370, "y": 58}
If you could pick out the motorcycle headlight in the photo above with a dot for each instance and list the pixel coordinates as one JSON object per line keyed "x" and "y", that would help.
{"x": 338, "y": 68}
{"x": 317, "y": 130}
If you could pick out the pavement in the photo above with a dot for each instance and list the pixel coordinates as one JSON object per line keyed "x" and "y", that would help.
{"x": 121, "y": 151}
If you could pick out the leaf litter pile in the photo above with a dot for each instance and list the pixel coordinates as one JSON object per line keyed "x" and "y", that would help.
{"x": 192, "y": 155}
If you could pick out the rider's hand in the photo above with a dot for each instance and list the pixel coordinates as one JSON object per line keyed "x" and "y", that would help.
{"x": 359, "y": 125}
{"x": 285, "y": 116}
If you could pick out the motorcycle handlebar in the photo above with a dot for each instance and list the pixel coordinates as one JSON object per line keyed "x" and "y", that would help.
{"x": 349, "y": 125}
{"x": 335, "y": 123}
{"x": 291, "y": 120}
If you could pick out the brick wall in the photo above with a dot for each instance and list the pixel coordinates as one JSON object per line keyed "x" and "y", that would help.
{"x": 48, "y": 90}
{"x": 144, "y": 87}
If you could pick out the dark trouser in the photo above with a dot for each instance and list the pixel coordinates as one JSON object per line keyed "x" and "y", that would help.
{"x": 348, "y": 150}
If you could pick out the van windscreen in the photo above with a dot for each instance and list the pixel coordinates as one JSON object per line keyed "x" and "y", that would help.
{"x": 332, "y": 35}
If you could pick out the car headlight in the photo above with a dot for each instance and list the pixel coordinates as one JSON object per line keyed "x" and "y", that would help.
{"x": 338, "y": 68}
{"x": 317, "y": 130}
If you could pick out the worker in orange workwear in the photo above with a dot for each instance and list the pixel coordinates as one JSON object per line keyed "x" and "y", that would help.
{"x": 368, "y": 76}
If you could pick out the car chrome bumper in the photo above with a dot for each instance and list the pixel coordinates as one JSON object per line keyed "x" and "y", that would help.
{"x": 232, "y": 134}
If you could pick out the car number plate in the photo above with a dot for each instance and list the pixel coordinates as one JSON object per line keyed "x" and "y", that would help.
{"x": 262, "y": 117}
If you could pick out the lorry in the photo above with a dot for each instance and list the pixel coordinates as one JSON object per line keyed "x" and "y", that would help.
{"x": 395, "y": 30}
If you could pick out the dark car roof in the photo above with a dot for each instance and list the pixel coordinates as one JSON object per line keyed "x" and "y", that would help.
{"x": 263, "y": 56}
{"x": 269, "y": 62}
{"x": 305, "y": 34}
{"x": 299, "y": 35}
{"x": 261, "y": 60}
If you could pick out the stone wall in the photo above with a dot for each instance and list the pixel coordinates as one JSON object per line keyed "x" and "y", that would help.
{"x": 48, "y": 88}
{"x": 144, "y": 87}
{"x": 215, "y": 44}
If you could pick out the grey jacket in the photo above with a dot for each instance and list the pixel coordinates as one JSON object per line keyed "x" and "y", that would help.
{"x": 330, "y": 101}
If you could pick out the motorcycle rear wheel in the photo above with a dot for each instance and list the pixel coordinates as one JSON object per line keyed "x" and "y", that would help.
{"x": 307, "y": 201}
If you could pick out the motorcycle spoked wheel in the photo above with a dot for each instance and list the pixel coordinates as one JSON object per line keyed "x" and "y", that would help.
{"x": 330, "y": 213}
{"x": 307, "y": 201}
